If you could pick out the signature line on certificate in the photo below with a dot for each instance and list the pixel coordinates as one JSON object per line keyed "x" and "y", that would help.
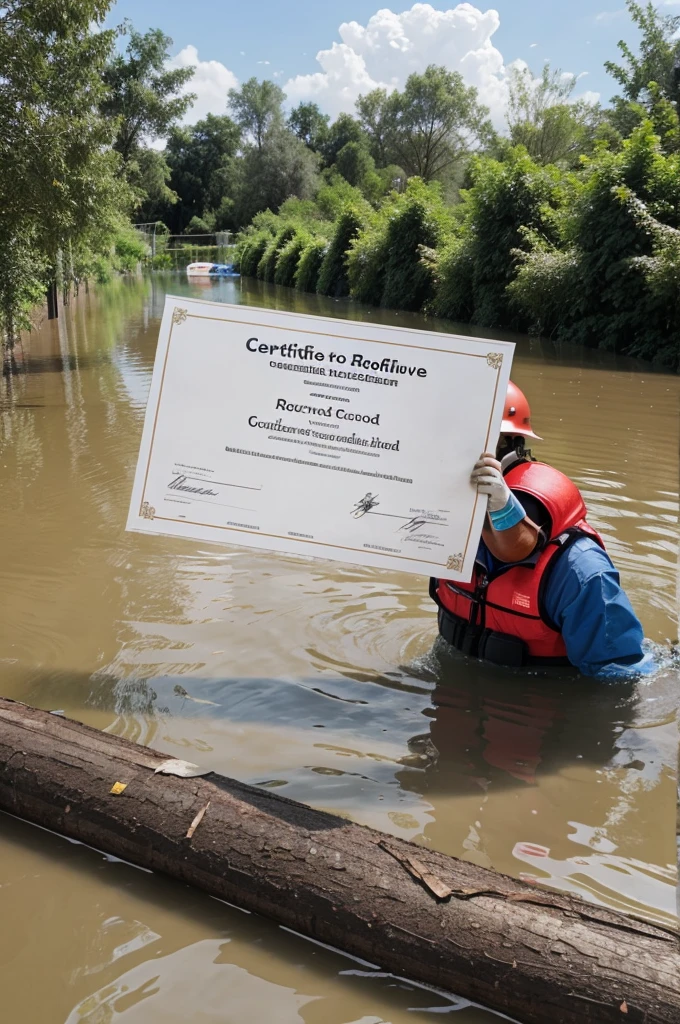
{"x": 207, "y": 501}
{"x": 220, "y": 483}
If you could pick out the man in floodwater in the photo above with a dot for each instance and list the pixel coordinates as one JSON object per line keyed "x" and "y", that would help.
{"x": 544, "y": 590}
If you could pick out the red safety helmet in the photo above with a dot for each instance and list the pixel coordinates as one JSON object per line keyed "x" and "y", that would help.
{"x": 517, "y": 414}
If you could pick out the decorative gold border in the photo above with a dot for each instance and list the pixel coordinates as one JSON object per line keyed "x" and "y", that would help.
{"x": 493, "y": 359}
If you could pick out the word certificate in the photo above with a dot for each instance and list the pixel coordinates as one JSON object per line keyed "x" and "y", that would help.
{"x": 319, "y": 437}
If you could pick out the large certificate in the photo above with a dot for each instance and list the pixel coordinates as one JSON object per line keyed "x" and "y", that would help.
{"x": 319, "y": 437}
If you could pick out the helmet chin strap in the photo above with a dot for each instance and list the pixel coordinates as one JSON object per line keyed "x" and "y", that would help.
{"x": 511, "y": 448}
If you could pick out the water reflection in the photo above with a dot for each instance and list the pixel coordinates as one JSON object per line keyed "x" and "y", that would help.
{"x": 121, "y": 944}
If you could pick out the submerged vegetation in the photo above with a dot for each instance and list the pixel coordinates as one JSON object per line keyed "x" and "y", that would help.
{"x": 566, "y": 222}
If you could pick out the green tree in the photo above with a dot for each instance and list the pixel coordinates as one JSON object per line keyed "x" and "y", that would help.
{"x": 58, "y": 186}
{"x": 266, "y": 268}
{"x": 420, "y": 221}
{"x": 355, "y": 163}
{"x": 256, "y": 108}
{"x": 309, "y": 264}
{"x": 335, "y": 194}
{"x": 333, "y": 278}
{"x": 657, "y": 60}
{"x": 542, "y": 118}
{"x": 279, "y": 168}
{"x": 148, "y": 174}
{"x": 142, "y": 94}
{"x": 310, "y": 126}
{"x": 600, "y": 282}
{"x": 650, "y": 79}
{"x": 249, "y": 251}
{"x": 288, "y": 258}
{"x": 384, "y": 261}
{"x": 375, "y": 118}
{"x": 507, "y": 199}
{"x": 343, "y": 130}
{"x": 203, "y": 167}
{"x": 434, "y": 122}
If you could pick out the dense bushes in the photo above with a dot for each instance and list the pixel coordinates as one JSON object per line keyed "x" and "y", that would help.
{"x": 385, "y": 264}
{"x": 590, "y": 257}
{"x": 266, "y": 268}
{"x": 506, "y": 201}
{"x": 289, "y": 257}
{"x": 610, "y": 279}
{"x": 311, "y": 258}
{"x": 333, "y": 278}
{"x": 249, "y": 253}
{"x": 419, "y": 220}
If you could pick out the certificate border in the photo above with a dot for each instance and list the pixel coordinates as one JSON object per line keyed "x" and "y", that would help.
{"x": 180, "y": 316}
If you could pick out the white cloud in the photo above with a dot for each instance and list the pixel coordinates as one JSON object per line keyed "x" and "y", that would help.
{"x": 384, "y": 52}
{"x": 532, "y": 46}
{"x": 391, "y": 46}
{"x": 605, "y": 17}
{"x": 211, "y": 82}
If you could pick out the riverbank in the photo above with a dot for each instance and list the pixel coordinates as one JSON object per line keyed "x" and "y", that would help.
{"x": 591, "y": 259}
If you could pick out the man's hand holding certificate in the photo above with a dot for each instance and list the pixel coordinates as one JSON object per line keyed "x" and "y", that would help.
{"x": 331, "y": 438}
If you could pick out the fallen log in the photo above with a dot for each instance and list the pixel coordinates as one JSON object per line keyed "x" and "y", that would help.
{"x": 538, "y": 956}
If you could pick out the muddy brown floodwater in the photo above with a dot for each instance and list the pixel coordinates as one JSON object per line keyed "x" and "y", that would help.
{"x": 319, "y": 679}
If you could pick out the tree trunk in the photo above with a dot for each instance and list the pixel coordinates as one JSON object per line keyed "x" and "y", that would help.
{"x": 537, "y": 956}
{"x": 52, "y": 300}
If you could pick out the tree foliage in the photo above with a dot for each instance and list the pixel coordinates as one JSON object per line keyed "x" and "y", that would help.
{"x": 569, "y": 223}
{"x": 355, "y": 164}
{"x": 266, "y": 268}
{"x": 657, "y": 60}
{"x": 427, "y": 128}
{"x": 343, "y": 130}
{"x": 506, "y": 201}
{"x": 601, "y": 283}
{"x": 289, "y": 257}
{"x": 375, "y": 118}
{"x": 311, "y": 258}
{"x": 142, "y": 94}
{"x": 333, "y": 278}
{"x": 256, "y": 107}
{"x": 309, "y": 124}
{"x": 384, "y": 261}
{"x": 542, "y": 118}
{"x": 250, "y": 251}
{"x": 58, "y": 181}
{"x": 202, "y": 166}
{"x": 279, "y": 168}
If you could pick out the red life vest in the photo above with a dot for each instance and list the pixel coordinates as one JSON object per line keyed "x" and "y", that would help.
{"x": 501, "y": 616}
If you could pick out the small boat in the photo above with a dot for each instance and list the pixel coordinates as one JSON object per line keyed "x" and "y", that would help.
{"x": 211, "y": 270}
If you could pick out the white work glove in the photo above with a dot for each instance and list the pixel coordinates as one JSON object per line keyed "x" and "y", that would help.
{"x": 488, "y": 479}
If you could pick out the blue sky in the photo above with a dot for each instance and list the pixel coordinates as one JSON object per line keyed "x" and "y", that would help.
{"x": 229, "y": 42}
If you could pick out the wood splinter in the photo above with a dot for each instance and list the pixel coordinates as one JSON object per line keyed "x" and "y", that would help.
{"x": 197, "y": 821}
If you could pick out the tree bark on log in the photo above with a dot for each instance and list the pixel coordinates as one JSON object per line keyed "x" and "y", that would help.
{"x": 538, "y": 956}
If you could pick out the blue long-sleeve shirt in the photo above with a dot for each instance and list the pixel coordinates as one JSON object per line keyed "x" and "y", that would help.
{"x": 584, "y": 597}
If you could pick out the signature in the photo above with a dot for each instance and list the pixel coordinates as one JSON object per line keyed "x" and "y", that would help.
{"x": 364, "y": 505}
{"x": 180, "y": 484}
{"x": 414, "y": 524}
